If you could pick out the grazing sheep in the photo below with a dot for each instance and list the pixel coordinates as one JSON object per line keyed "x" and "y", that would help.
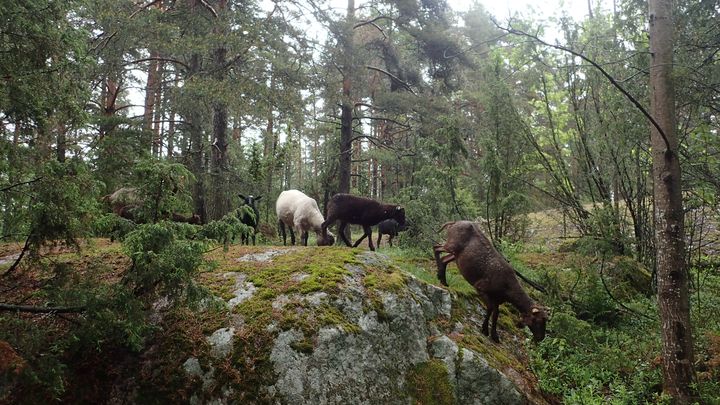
{"x": 491, "y": 275}
{"x": 123, "y": 200}
{"x": 251, "y": 220}
{"x": 388, "y": 227}
{"x": 125, "y": 203}
{"x": 297, "y": 210}
{"x": 350, "y": 209}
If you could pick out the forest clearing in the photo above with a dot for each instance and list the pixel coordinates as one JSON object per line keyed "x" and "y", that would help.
{"x": 382, "y": 201}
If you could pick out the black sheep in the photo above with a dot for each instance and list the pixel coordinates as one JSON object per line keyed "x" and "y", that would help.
{"x": 389, "y": 227}
{"x": 350, "y": 209}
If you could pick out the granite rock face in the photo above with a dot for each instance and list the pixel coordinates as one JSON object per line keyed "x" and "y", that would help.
{"x": 384, "y": 334}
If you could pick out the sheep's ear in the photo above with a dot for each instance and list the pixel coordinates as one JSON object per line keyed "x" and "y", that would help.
{"x": 258, "y": 198}
{"x": 535, "y": 310}
{"x": 241, "y": 196}
{"x": 399, "y": 208}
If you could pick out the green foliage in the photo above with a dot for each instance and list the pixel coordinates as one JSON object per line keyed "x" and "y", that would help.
{"x": 585, "y": 364}
{"x": 113, "y": 226}
{"x": 162, "y": 264}
{"x": 227, "y": 229}
{"x": 62, "y": 205}
{"x": 163, "y": 189}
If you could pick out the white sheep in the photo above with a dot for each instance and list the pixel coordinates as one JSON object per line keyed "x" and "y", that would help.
{"x": 297, "y": 210}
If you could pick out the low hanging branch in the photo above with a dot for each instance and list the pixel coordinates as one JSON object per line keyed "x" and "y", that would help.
{"x": 602, "y": 71}
{"x": 41, "y": 310}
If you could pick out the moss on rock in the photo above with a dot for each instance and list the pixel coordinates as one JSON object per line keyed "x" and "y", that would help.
{"x": 428, "y": 383}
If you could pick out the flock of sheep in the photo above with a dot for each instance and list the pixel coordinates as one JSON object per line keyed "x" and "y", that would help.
{"x": 480, "y": 264}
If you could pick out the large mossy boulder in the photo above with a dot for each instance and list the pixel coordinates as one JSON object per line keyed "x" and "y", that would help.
{"x": 328, "y": 325}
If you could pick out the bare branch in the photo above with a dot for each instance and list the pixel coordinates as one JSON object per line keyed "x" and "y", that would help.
{"x": 393, "y": 77}
{"x": 160, "y": 59}
{"x": 145, "y": 7}
{"x": 19, "y": 184}
{"x": 612, "y": 80}
{"x": 20, "y": 256}
{"x": 209, "y": 7}
{"x": 381, "y": 17}
{"x": 40, "y": 310}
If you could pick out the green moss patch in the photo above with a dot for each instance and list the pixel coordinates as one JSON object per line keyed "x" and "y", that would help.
{"x": 428, "y": 383}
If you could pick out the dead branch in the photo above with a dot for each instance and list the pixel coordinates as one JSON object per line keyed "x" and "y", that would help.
{"x": 40, "y": 310}
{"x": 17, "y": 261}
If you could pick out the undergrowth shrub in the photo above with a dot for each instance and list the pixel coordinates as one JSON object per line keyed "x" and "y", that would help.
{"x": 108, "y": 309}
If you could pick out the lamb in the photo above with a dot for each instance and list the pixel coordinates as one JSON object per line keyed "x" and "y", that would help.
{"x": 251, "y": 220}
{"x": 388, "y": 227}
{"x": 350, "y": 209}
{"x": 297, "y": 210}
{"x": 491, "y": 275}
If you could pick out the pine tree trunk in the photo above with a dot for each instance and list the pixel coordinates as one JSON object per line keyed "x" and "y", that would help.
{"x": 197, "y": 149}
{"x": 346, "y": 116}
{"x": 672, "y": 279}
{"x": 150, "y": 96}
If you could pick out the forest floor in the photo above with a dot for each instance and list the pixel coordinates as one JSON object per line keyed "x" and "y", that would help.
{"x": 603, "y": 342}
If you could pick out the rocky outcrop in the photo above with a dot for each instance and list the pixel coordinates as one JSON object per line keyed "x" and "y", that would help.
{"x": 373, "y": 334}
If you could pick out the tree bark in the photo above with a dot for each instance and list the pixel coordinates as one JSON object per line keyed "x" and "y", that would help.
{"x": 197, "y": 149}
{"x": 672, "y": 279}
{"x": 346, "y": 116}
{"x": 150, "y": 95}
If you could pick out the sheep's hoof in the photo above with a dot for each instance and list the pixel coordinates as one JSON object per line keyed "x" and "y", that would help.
{"x": 443, "y": 281}
{"x": 495, "y": 338}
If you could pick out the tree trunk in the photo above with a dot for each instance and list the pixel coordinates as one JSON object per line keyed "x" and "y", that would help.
{"x": 220, "y": 200}
{"x": 197, "y": 149}
{"x": 150, "y": 97}
{"x": 346, "y": 116}
{"x": 672, "y": 279}
{"x": 157, "y": 141}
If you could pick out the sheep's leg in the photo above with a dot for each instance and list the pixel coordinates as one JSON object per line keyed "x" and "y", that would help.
{"x": 367, "y": 234}
{"x": 442, "y": 263}
{"x": 486, "y": 320}
{"x": 292, "y": 235}
{"x": 494, "y": 334}
{"x": 324, "y": 226}
{"x": 341, "y": 231}
{"x": 281, "y": 232}
{"x": 390, "y": 240}
{"x": 304, "y": 238}
{"x": 379, "y": 239}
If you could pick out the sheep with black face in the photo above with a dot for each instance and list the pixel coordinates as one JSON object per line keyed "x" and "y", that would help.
{"x": 491, "y": 275}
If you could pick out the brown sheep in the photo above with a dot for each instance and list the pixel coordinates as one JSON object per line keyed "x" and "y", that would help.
{"x": 491, "y": 275}
{"x": 350, "y": 209}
